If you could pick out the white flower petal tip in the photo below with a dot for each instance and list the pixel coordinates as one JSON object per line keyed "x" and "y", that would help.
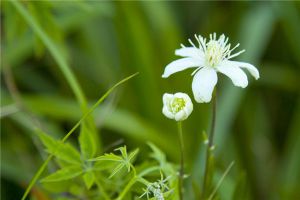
{"x": 177, "y": 106}
{"x": 213, "y": 54}
{"x": 180, "y": 65}
{"x": 252, "y": 70}
{"x": 203, "y": 84}
{"x": 237, "y": 75}
{"x": 188, "y": 52}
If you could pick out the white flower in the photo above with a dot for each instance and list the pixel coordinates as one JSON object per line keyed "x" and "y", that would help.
{"x": 178, "y": 106}
{"x": 209, "y": 58}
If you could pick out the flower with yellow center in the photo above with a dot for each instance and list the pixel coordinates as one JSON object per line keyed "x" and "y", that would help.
{"x": 177, "y": 106}
{"x": 209, "y": 58}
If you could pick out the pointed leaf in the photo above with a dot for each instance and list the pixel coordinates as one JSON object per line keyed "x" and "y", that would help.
{"x": 117, "y": 169}
{"x": 89, "y": 179}
{"x": 133, "y": 154}
{"x": 62, "y": 151}
{"x": 87, "y": 142}
{"x": 157, "y": 154}
{"x": 64, "y": 174}
{"x": 108, "y": 157}
{"x": 123, "y": 151}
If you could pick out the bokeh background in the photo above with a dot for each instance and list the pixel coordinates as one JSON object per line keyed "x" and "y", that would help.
{"x": 102, "y": 42}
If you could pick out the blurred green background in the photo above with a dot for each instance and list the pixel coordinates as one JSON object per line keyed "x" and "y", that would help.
{"x": 102, "y": 42}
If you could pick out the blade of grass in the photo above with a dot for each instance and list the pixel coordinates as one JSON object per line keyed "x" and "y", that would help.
{"x": 221, "y": 180}
{"x": 42, "y": 168}
{"x": 54, "y": 50}
{"x": 289, "y": 170}
{"x": 260, "y": 31}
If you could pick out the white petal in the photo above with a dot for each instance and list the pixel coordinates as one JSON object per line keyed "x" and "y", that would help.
{"x": 180, "y": 116}
{"x": 237, "y": 75}
{"x": 203, "y": 84}
{"x": 167, "y": 113}
{"x": 253, "y": 71}
{"x": 166, "y": 98}
{"x": 181, "y": 95}
{"x": 188, "y": 52}
{"x": 181, "y": 64}
{"x": 188, "y": 108}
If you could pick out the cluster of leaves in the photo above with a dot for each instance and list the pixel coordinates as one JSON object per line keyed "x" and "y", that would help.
{"x": 109, "y": 176}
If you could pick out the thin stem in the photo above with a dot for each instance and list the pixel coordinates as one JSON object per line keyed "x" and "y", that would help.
{"x": 181, "y": 172}
{"x": 55, "y": 52}
{"x": 221, "y": 180}
{"x": 127, "y": 187}
{"x": 42, "y": 168}
{"x": 101, "y": 189}
{"x": 210, "y": 145}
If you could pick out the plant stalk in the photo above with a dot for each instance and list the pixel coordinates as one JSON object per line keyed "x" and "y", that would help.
{"x": 181, "y": 172}
{"x": 210, "y": 145}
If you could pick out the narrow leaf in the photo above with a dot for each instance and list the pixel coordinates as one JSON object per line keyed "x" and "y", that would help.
{"x": 89, "y": 179}
{"x": 62, "y": 151}
{"x": 64, "y": 174}
{"x": 117, "y": 169}
{"x": 108, "y": 157}
{"x": 87, "y": 143}
{"x": 42, "y": 168}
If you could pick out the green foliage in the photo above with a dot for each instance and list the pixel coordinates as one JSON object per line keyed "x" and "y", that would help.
{"x": 63, "y": 174}
{"x": 62, "y": 55}
{"x": 93, "y": 170}
{"x": 62, "y": 151}
{"x": 87, "y": 143}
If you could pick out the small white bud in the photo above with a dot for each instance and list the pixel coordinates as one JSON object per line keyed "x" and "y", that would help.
{"x": 177, "y": 106}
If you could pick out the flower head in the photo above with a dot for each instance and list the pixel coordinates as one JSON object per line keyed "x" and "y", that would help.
{"x": 177, "y": 106}
{"x": 210, "y": 57}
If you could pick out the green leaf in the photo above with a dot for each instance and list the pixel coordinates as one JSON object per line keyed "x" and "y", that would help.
{"x": 157, "y": 154}
{"x": 123, "y": 151}
{"x": 133, "y": 154}
{"x": 108, "y": 157}
{"x": 102, "y": 165}
{"x": 87, "y": 143}
{"x": 64, "y": 174}
{"x": 124, "y": 161}
{"x": 89, "y": 179}
{"x": 42, "y": 168}
{"x": 117, "y": 169}
{"x": 62, "y": 151}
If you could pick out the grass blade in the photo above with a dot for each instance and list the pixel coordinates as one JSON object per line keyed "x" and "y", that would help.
{"x": 42, "y": 168}
{"x": 221, "y": 180}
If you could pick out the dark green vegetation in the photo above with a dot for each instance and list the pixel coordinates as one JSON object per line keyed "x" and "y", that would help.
{"x": 58, "y": 58}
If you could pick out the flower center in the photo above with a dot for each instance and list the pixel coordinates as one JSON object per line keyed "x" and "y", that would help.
{"x": 214, "y": 53}
{"x": 215, "y": 50}
{"x": 177, "y": 104}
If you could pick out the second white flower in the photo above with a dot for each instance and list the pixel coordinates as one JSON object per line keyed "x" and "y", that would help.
{"x": 177, "y": 106}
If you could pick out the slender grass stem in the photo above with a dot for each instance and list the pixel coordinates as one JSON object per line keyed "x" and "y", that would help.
{"x": 210, "y": 146}
{"x": 126, "y": 189}
{"x": 181, "y": 172}
{"x": 42, "y": 168}
{"x": 55, "y": 52}
{"x": 101, "y": 189}
{"x": 221, "y": 180}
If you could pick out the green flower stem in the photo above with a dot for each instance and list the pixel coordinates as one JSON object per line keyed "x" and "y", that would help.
{"x": 210, "y": 146}
{"x": 181, "y": 172}
{"x": 101, "y": 189}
